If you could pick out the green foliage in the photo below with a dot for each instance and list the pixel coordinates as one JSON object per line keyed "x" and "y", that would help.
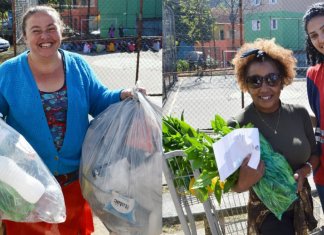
{"x": 276, "y": 189}
{"x": 5, "y": 5}
{"x": 182, "y": 65}
{"x": 194, "y": 20}
{"x": 179, "y": 135}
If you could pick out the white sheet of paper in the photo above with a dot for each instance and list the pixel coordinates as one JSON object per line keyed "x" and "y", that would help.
{"x": 234, "y": 147}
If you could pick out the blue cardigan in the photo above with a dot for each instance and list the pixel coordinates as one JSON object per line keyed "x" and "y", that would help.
{"x": 21, "y": 105}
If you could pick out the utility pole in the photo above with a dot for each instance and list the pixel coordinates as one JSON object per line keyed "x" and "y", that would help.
{"x": 241, "y": 38}
{"x": 139, "y": 38}
{"x": 88, "y": 17}
{"x": 14, "y": 27}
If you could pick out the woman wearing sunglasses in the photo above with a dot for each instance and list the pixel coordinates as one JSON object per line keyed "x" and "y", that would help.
{"x": 314, "y": 28}
{"x": 263, "y": 69}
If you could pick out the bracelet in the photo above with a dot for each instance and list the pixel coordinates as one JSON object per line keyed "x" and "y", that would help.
{"x": 311, "y": 168}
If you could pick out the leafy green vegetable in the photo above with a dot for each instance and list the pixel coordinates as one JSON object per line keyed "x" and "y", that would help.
{"x": 179, "y": 135}
{"x": 276, "y": 189}
{"x": 12, "y": 204}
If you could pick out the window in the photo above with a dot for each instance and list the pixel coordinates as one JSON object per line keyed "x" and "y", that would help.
{"x": 85, "y": 3}
{"x": 256, "y": 25}
{"x": 272, "y": 1}
{"x": 221, "y": 34}
{"x": 274, "y": 24}
{"x": 256, "y": 2}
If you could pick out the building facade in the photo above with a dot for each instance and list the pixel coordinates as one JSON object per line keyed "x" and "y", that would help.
{"x": 125, "y": 13}
{"x": 279, "y": 19}
{"x": 80, "y": 15}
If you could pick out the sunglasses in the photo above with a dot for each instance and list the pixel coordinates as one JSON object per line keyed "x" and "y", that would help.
{"x": 256, "y": 81}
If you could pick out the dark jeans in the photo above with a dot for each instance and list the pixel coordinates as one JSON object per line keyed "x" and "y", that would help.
{"x": 273, "y": 226}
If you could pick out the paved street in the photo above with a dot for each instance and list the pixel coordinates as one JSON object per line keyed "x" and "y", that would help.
{"x": 118, "y": 70}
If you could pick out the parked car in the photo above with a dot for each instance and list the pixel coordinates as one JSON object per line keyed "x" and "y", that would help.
{"x": 6, "y": 25}
{"x": 4, "y": 44}
{"x": 69, "y": 32}
{"x": 196, "y": 59}
{"x": 95, "y": 33}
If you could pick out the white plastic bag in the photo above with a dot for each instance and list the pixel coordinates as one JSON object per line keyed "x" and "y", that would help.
{"x": 28, "y": 191}
{"x": 120, "y": 170}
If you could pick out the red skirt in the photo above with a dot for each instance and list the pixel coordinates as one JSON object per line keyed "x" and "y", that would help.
{"x": 79, "y": 219}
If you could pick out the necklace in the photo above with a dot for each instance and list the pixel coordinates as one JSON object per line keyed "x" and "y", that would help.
{"x": 270, "y": 127}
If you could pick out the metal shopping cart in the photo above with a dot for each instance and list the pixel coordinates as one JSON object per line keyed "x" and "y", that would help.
{"x": 230, "y": 217}
{"x": 227, "y": 218}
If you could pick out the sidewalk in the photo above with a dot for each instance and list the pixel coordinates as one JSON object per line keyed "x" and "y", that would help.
{"x": 171, "y": 225}
{"x": 100, "y": 229}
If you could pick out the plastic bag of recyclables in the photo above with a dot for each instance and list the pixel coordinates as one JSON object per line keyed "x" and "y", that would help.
{"x": 121, "y": 166}
{"x": 28, "y": 191}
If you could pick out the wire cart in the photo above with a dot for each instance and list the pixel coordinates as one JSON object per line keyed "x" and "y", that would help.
{"x": 230, "y": 217}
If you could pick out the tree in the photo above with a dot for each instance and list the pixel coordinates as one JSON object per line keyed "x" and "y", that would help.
{"x": 193, "y": 20}
{"x": 232, "y": 9}
{"x": 5, "y": 5}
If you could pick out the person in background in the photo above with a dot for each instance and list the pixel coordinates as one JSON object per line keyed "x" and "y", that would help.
{"x": 131, "y": 46}
{"x": 111, "y": 47}
{"x": 313, "y": 25}
{"x": 263, "y": 69}
{"x": 86, "y": 47}
{"x": 111, "y": 31}
{"x": 123, "y": 46}
{"x": 121, "y": 31}
{"x": 46, "y": 94}
{"x": 156, "y": 46}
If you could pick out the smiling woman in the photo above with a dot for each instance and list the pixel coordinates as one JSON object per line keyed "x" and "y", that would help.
{"x": 263, "y": 69}
{"x": 314, "y": 28}
{"x": 55, "y": 90}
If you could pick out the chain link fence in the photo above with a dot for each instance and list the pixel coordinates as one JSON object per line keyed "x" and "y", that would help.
{"x": 169, "y": 51}
{"x": 207, "y": 34}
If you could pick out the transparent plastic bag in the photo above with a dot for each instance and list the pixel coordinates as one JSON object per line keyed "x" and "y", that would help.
{"x": 28, "y": 191}
{"x": 120, "y": 169}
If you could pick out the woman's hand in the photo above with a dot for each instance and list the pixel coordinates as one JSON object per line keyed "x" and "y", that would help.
{"x": 302, "y": 173}
{"x": 248, "y": 176}
{"x": 128, "y": 92}
{"x": 300, "y": 176}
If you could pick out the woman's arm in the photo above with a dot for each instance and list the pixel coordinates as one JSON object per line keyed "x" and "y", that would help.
{"x": 302, "y": 173}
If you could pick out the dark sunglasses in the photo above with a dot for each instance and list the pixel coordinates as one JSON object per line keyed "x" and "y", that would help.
{"x": 256, "y": 81}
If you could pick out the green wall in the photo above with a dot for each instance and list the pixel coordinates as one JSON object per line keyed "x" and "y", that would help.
{"x": 290, "y": 32}
{"x": 125, "y": 12}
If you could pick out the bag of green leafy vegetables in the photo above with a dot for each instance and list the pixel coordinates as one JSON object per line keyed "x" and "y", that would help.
{"x": 277, "y": 188}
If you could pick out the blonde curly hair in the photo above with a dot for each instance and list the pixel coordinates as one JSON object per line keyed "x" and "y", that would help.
{"x": 281, "y": 57}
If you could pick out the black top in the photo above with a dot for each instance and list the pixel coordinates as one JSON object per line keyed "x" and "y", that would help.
{"x": 295, "y": 138}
